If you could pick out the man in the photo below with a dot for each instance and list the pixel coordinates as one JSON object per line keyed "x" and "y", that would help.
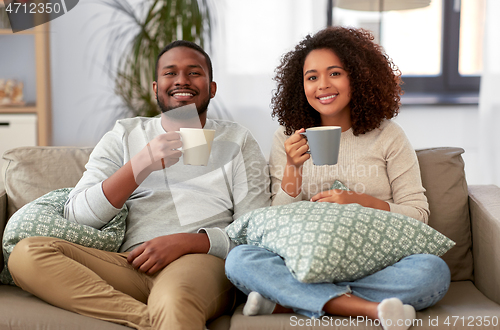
{"x": 170, "y": 274}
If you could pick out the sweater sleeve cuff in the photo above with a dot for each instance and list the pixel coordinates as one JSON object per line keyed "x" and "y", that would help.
{"x": 220, "y": 244}
{"x": 410, "y": 211}
{"x": 101, "y": 209}
{"x": 283, "y": 198}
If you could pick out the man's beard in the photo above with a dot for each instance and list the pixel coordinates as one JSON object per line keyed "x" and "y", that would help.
{"x": 166, "y": 108}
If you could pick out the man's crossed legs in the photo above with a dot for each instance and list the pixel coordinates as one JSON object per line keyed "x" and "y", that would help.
{"x": 103, "y": 285}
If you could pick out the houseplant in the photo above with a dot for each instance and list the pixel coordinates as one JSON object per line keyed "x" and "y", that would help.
{"x": 144, "y": 29}
{"x": 4, "y": 18}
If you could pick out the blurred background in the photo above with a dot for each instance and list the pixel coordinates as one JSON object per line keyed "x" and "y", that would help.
{"x": 76, "y": 74}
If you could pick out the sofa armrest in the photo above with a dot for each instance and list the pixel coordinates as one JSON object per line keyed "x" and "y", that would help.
{"x": 3, "y": 218}
{"x": 484, "y": 207}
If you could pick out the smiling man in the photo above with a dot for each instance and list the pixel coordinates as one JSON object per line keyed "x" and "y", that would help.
{"x": 169, "y": 273}
{"x": 170, "y": 88}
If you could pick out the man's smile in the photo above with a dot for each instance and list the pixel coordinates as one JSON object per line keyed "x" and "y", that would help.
{"x": 182, "y": 95}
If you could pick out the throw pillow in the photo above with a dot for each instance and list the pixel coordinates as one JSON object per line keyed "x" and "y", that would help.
{"x": 44, "y": 217}
{"x": 328, "y": 242}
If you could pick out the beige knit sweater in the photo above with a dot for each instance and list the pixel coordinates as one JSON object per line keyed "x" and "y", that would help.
{"x": 381, "y": 163}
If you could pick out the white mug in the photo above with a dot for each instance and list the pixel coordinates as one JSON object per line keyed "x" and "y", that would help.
{"x": 196, "y": 145}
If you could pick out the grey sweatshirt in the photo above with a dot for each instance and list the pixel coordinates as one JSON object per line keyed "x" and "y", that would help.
{"x": 178, "y": 199}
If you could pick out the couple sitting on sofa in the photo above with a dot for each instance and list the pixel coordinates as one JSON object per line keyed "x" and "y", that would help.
{"x": 170, "y": 273}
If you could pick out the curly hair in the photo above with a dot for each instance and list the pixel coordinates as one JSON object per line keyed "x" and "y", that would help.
{"x": 375, "y": 81}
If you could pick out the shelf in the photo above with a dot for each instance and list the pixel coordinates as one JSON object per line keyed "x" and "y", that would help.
{"x": 29, "y": 108}
{"x": 42, "y": 104}
{"x": 9, "y": 32}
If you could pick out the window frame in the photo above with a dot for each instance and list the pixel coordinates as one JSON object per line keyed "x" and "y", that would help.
{"x": 449, "y": 87}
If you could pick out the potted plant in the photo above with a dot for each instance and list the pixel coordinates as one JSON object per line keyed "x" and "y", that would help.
{"x": 148, "y": 27}
{"x": 4, "y": 18}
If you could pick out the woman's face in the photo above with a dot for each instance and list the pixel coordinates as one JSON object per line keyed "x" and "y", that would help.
{"x": 327, "y": 88}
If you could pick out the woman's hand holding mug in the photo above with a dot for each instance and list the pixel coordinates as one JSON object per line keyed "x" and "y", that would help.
{"x": 296, "y": 148}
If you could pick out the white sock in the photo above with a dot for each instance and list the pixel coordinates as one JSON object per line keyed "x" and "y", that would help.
{"x": 394, "y": 315}
{"x": 410, "y": 313}
{"x": 258, "y": 305}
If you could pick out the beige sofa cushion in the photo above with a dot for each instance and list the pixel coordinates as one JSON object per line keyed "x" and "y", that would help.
{"x": 30, "y": 172}
{"x": 21, "y": 310}
{"x": 443, "y": 177}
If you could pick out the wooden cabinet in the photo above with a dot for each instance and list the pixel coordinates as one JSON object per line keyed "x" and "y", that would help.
{"x": 41, "y": 106}
{"x": 16, "y": 130}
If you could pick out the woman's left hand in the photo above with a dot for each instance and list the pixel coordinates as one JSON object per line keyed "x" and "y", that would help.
{"x": 340, "y": 196}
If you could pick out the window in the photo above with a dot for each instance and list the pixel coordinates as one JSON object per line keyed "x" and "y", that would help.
{"x": 437, "y": 47}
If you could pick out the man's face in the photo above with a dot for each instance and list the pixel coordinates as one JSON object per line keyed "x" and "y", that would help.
{"x": 183, "y": 78}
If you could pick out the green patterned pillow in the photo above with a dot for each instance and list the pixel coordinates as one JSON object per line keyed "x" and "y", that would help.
{"x": 44, "y": 217}
{"x": 328, "y": 242}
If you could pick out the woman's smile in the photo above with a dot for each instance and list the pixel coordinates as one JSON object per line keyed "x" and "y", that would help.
{"x": 327, "y": 98}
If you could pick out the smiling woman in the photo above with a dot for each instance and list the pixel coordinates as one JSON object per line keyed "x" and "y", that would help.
{"x": 340, "y": 77}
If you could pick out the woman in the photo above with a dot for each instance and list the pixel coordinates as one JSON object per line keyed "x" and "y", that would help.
{"x": 339, "y": 77}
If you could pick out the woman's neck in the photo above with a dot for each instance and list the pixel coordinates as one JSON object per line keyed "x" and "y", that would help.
{"x": 341, "y": 120}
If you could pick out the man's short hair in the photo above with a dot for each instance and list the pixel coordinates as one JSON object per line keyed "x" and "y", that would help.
{"x": 189, "y": 44}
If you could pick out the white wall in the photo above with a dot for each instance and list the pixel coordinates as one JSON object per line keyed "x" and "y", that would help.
{"x": 84, "y": 105}
{"x": 83, "y": 101}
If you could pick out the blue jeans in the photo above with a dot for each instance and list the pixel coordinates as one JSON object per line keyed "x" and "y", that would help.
{"x": 420, "y": 280}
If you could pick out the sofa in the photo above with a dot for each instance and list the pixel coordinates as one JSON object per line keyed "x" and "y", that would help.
{"x": 469, "y": 215}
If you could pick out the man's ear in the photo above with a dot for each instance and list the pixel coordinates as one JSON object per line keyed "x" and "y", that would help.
{"x": 213, "y": 89}
{"x": 155, "y": 86}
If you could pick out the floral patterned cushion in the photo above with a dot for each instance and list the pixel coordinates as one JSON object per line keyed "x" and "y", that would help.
{"x": 328, "y": 242}
{"x": 44, "y": 217}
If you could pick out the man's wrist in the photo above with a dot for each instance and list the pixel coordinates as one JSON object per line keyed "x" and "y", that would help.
{"x": 141, "y": 165}
{"x": 198, "y": 243}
